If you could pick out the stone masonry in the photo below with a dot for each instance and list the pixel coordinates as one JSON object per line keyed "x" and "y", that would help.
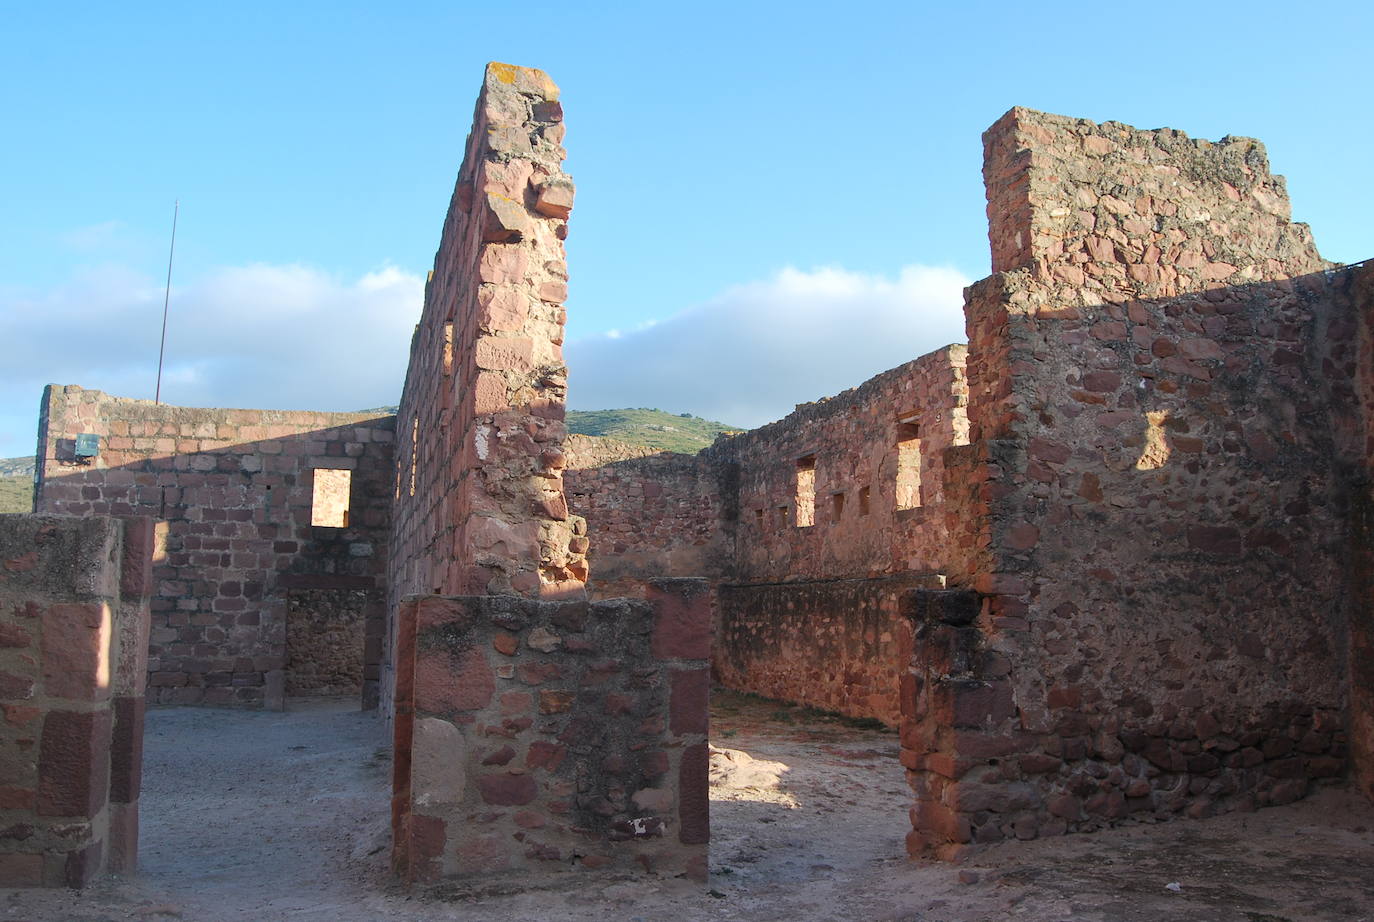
{"x": 236, "y": 491}
{"x": 73, "y": 647}
{"x": 1113, "y": 570}
{"x": 534, "y": 736}
{"x": 534, "y": 731}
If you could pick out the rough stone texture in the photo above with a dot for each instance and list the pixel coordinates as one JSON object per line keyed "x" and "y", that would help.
{"x": 74, "y": 619}
{"x": 326, "y": 631}
{"x": 479, "y": 506}
{"x": 235, "y": 490}
{"x": 648, "y": 513}
{"x": 539, "y": 736}
{"x": 840, "y": 645}
{"x": 805, "y": 612}
{"x": 1359, "y": 333}
{"x": 1151, "y": 506}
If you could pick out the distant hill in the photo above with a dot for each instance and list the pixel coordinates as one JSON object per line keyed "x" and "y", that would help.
{"x": 667, "y": 431}
{"x": 653, "y": 428}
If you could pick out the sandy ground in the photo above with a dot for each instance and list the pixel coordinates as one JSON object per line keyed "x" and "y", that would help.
{"x": 269, "y": 816}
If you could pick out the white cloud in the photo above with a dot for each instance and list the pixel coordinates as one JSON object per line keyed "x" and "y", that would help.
{"x": 750, "y": 354}
{"x": 284, "y": 337}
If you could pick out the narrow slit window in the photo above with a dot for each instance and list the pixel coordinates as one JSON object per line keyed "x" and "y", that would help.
{"x": 806, "y": 491}
{"x": 448, "y": 348}
{"x": 330, "y": 499}
{"x": 758, "y": 517}
{"x": 836, "y": 507}
{"x": 414, "y": 449}
{"x": 908, "y": 465}
{"x": 782, "y": 516}
{"x": 863, "y": 500}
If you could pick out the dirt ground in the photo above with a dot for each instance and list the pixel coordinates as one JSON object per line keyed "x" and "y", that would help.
{"x": 282, "y": 816}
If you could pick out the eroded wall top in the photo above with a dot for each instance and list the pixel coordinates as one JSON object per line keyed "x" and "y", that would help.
{"x": 479, "y": 493}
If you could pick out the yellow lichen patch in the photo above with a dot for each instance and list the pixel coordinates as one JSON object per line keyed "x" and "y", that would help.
{"x": 1155, "y": 454}
{"x": 503, "y": 72}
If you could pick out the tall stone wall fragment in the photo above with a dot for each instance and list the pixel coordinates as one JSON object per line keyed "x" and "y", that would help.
{"x": 1150, "y": 444}
{"x": 479, "y": 504}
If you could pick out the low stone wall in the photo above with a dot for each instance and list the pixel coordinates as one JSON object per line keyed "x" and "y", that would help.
{"x": 541, "y": 736}
{"x": 841, "y": 645}
{"x": 73, "y": 653}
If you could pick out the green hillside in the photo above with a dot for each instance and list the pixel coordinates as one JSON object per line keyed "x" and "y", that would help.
{"x": 655, "y": 428}
{"x": 16, "y": 494}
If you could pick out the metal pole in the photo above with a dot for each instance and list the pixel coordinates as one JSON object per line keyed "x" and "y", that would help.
{"x": 166, "y": 297}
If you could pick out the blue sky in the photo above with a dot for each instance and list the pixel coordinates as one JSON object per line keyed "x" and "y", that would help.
{"x": 798, "y": 180}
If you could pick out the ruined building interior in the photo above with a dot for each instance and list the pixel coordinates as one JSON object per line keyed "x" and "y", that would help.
{"x": 1109, "y": 560}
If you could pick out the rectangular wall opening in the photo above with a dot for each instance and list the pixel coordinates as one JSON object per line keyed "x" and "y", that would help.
{"x": 836, "y": 506}
{"x": 863, "y": 500}
{"x": 908, "y": 465}
{"x": 758, "y": 518}
{"x": 806, "y": 491}
{"x": 330, "y": 499}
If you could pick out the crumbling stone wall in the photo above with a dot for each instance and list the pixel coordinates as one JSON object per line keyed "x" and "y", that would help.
{"x": 479, "y": 506}
{"x": 855, "y": 443}
{"x": 538, "y": 736}
{"x": 1358, "y": 288}
{"x": 806, "y": 612}
{"x": 1155, "y": 528}
{"x": 651, "y": 513}
{"x": 73, "y": 647}
{"x": 236, "y": 490}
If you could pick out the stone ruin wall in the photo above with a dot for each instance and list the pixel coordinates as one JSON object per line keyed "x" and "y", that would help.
{"x": 648, "y": 513}
{"x": 240, "y": 555}
{"x": 808, "y": 613}
{"x": 534, "y": 736}
{"x": 73, "y": 650}
{"x": 534, "y": 731}
{"x": 1156, "y": 516}
{"x": 1359, "y": 292}
{"x": 478, "y": 497}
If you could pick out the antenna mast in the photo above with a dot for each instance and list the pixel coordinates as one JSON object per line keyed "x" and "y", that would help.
{"x": 166, "y": 297}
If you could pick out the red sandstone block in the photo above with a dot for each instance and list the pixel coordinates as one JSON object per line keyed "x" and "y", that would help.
{"x": 76, "y": 650}
{"x": 126, "y": 750}
{"x": 135, "y": 578}
{"x": 123, "y": 839}
{"x": 445, "y": 683}
{"x": 73, "y": 763}
{"x": 507, "y": 789}
{"x": 694, "y": 803}
{"x": 689, "y": 701}
{"x": 682, "y": 618}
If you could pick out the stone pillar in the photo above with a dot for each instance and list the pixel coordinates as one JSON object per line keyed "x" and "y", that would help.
{"x": 73, "y": 648}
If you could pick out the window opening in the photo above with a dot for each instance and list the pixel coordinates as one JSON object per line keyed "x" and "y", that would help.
{"x": 836, "y": 507}
{"x": 330, "y": 498}
{"x": 863, "y": 501}
{"x": 806, "y": 491}
{"x": 908, "y": 465}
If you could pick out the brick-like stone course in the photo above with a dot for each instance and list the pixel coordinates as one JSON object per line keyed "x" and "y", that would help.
{"x": 541, "y": 736}
{"x": 74, "y": 613}
{"x": 235, "y": 491}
